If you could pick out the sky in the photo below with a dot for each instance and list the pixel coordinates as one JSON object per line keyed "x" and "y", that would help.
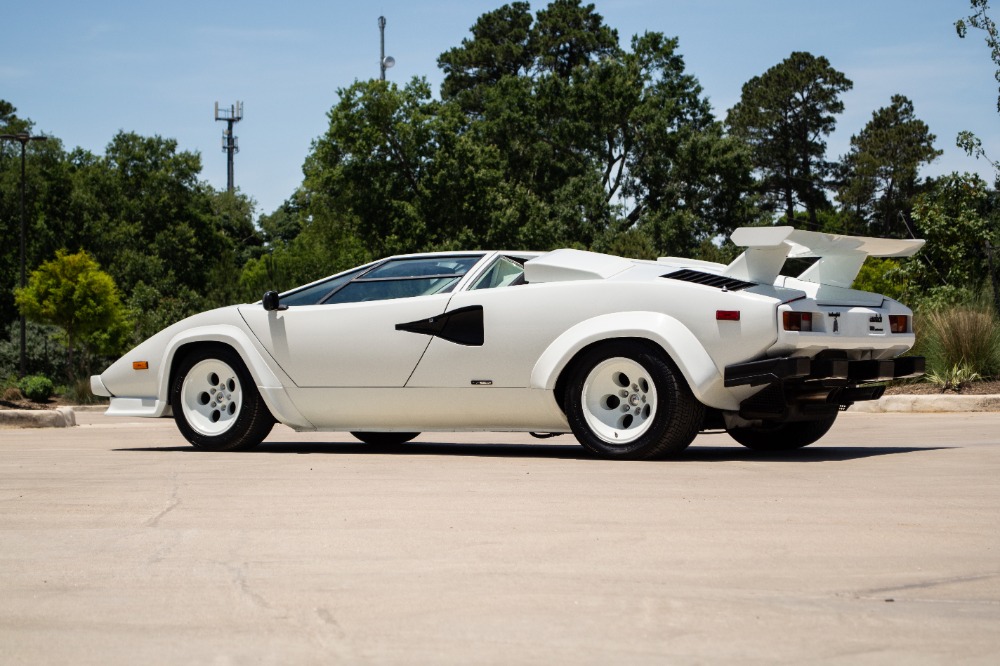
{"x": 82, "y": 71}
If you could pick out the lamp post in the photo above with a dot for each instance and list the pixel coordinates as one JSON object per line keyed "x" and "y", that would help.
{"x": 23, "y": 138}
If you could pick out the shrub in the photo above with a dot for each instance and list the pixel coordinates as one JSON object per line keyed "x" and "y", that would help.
{"x": 79, "y": 392}
{"x": 37, "y": 388}
{"x": 954, "y": 379}
{"x": 11, "y": 394}
{"x": 961, "y": 338}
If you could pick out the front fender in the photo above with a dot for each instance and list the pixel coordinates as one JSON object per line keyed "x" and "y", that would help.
{"x": 690, "y": 356}
{"x": 145, "y": 390}
{"x": 270, "y": 382}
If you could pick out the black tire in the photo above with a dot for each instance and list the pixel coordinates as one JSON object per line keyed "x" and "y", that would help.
{"x": 385, "y": 438}
{"x": 663, "y": 415}
{"x": 216, "y": 404}
{"x": 783, "y": 436}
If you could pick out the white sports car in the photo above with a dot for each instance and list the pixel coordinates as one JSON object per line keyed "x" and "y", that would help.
{"x": 633, "y": 357}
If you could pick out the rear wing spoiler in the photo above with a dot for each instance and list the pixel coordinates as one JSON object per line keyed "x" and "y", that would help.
{"x": 840, "y": 257}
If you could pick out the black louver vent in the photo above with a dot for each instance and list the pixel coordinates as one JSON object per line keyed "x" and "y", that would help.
{"x": 708, "y": 279}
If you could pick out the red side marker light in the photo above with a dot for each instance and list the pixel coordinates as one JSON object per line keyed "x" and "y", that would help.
{"x": 727, "y": 315}
{"x": 140, "y": 365}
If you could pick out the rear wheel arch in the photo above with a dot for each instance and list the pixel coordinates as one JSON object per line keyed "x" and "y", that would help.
{"x": 568, "y": 370}
{"x": 626, "y": 398}
{"x": 670, "y": 337}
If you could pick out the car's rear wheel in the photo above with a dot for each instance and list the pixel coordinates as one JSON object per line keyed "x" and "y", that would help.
{"x": 783, "y": 436}
{"x": 216, "y": 405}
{"x": 385, "y": 438}
{"x": 626, "y": 400}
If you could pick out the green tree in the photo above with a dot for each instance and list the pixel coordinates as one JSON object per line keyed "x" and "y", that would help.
{"x": 953, "y": 216}
{"x": 498, "y": 49}
{"x": 785, "y": 116}
{"x": 595, "y": 140}
{"x": 880, "y": 172}
{"x": 73, "y": 293}
{"x": 568, "y": 35}
{"x": 980, "y": 19}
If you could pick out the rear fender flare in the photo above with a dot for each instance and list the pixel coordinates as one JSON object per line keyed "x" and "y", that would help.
{"x": 683, "y": 348}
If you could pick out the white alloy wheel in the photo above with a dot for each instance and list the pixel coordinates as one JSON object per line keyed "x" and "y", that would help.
{"x": 619, "y": 400}
{"x": 211, "y": 397}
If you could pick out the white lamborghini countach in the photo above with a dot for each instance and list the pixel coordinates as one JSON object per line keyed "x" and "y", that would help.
{"x": 632, "y": 357}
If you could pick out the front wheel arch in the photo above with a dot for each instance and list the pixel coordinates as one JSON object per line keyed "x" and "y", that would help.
{"x": 251, "y": 418}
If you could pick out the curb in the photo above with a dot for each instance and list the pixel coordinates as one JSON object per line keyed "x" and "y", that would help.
{"x": 902, "y": 403}
{"x": 60, "y": 417}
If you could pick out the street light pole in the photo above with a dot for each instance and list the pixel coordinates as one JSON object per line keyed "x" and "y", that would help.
{"x": 23, "y": 138}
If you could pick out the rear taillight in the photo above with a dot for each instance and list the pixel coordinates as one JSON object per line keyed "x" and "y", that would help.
{"x": 899, "y": 323}
{"x": 798, "y": 321}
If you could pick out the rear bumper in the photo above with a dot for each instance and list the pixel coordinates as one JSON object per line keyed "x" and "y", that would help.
{"x": 804, "y": 389}
{"x": 772, "y": 370}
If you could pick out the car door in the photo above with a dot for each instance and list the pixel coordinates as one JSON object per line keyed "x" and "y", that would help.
{"x": 351, "y": 339}
{"x": 347, "y": 344}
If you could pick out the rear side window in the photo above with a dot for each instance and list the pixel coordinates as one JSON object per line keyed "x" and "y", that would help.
{"x": 503, "y": 272}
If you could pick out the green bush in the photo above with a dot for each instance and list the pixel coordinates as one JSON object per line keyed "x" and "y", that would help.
{"x": 37, "y": 388}
{"x": 961, "y": 340}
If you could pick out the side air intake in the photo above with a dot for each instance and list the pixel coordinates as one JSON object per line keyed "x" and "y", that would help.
{"x": 708, "y": 279}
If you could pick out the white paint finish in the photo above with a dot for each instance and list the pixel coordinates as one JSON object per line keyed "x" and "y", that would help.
{"x": 825, "y": 294}
{"x": 838, "y": 270}
{"x": 350, "y": 344}
{"x": 840, "y": 257}
{"x": 568, "y": 264}
{"x": 430, "y": 409}
{"x": 758, "y": 264}
{"x": 529, "y": 341}
{"x": 817, "y": 244}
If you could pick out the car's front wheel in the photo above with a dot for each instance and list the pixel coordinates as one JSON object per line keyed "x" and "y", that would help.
{"x": 783, "y": 436}
{"x": 216, "y": 405}
{"x": 626, "y": 400}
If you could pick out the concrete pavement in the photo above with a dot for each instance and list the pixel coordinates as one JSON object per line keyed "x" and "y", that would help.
{"x": 120, "y": 544}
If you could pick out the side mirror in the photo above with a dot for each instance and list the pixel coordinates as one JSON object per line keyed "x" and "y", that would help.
{"x": 272, "y": 302}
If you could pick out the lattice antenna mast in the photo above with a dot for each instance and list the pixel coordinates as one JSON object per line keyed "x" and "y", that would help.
{"x": 230, "y": 144}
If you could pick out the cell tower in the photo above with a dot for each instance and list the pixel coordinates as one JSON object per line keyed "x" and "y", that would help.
{"x": 230, "y": 145}
{"x": 384, "y": 61}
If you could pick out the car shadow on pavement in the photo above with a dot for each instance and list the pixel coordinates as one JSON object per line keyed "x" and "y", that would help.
{"x": 569, "y": 450}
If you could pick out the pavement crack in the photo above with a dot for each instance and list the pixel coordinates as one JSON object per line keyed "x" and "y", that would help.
{"x": 172, "y": 502}
{"x": 930, "y": 586}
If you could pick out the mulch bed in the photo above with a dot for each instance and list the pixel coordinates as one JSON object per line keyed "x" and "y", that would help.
{"x": 987, "y": 387}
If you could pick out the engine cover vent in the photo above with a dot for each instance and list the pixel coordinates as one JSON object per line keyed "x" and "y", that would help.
{"x": 708, "y": 279}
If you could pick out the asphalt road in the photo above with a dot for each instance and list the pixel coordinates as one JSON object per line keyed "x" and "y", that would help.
{"x": 880, "y": 545}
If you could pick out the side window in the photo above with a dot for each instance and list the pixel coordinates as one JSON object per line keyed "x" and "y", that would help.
{"x": 405, "y": 278}
{"x": 503, "y": 272}
{"x": 315, "y": 293}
